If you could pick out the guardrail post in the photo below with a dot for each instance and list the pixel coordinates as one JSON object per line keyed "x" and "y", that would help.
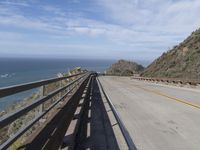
{"x": 69, "y": 88}
{"x": 76, "y": 84}
{"x": 42, "y": 93}
{"x": 60, "y": 85}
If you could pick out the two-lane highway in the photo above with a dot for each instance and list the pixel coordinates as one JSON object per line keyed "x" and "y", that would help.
{"x": 158, "y": 117}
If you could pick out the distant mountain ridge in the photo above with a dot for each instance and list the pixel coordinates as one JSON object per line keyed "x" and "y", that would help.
{"x": 124, "y": 68}
{"x": 183, "y": 61}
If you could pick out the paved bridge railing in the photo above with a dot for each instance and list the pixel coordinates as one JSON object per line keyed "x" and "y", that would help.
{"x": 71, "y": 82}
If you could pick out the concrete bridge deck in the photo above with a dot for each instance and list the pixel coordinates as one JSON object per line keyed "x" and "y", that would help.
{"x": 147, "y": 115}
{"x": 158, "y": 117}
{"x": 97, "y": 128}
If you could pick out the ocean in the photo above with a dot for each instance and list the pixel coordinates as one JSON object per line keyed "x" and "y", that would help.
{"x": 22, "y": 70}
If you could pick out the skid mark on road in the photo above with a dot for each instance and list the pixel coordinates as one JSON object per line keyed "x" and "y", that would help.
{"x": 169, "y": 97}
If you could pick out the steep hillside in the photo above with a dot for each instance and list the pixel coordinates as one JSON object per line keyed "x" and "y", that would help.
{"x": 124, "y": 68}
{"x": 183, "y": 61}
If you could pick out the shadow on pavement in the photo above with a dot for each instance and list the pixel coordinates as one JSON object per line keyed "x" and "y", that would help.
{"x": 95, "y": 131}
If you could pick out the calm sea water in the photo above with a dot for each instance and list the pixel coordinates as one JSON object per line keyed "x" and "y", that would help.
{"x": 16, "y": 71}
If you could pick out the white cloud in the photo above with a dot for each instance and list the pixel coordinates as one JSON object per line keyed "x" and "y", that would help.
{"x": 15, "y": 3}
{"x": 135, "y": 25}
{"x": 155, "y": 15}
{"x": 10, "y": 36}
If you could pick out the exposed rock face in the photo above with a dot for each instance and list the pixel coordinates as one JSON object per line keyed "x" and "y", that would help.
{"x": 124, "y": 68}
{"x": 183, "y": 61}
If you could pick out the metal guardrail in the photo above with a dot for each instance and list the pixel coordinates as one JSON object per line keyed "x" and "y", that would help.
{"x": 170, "y": 80}
{"x": 7, "y": 119}
{"x": 122, "y": 127}
{"x": 7, "y": 91}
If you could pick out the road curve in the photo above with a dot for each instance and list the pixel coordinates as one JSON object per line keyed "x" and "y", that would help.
{"x": 158, "y": 117}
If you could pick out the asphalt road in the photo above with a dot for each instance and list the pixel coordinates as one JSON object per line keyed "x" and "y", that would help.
{"x": 158, "y": 117}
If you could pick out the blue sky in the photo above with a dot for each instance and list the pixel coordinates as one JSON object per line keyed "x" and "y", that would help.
{"x": 109, "y": 29}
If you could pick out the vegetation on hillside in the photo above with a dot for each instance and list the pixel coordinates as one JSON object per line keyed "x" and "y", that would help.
{"x": 124, "y": 68}
{"x": 183, "y": 61}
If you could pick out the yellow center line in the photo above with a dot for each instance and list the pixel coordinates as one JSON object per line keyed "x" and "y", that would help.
{"x": 170, "y": 97}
